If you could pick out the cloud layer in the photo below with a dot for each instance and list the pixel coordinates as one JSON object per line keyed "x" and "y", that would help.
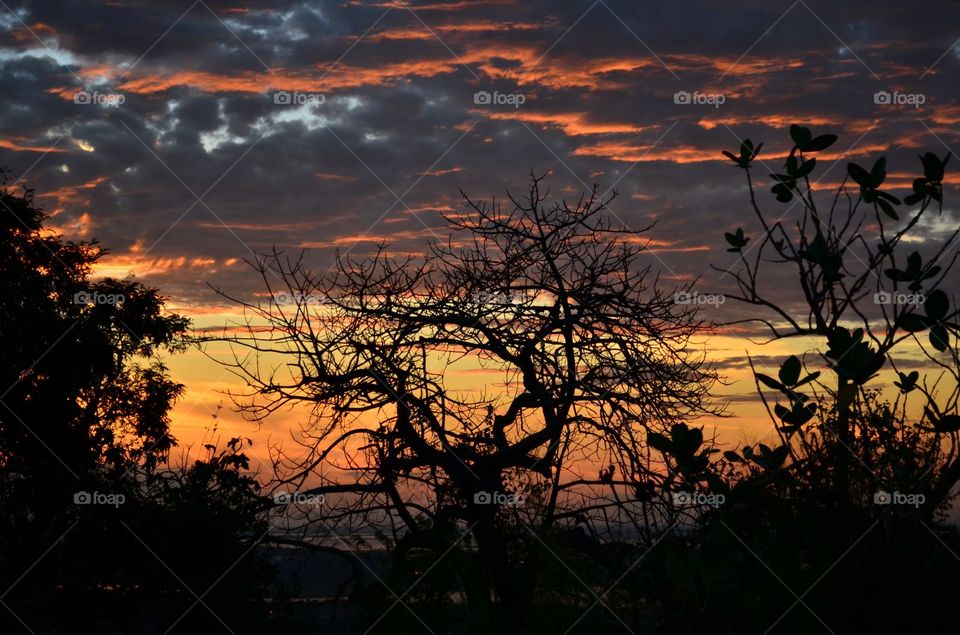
{"x": 208, "y": 131}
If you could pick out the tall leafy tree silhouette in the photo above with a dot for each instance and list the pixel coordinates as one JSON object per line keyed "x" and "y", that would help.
{"x": 75, "y": 395}
{"x": 91, "y": 512}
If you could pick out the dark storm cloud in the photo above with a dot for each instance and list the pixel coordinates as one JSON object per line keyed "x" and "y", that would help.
{"x": 199, "y": 116}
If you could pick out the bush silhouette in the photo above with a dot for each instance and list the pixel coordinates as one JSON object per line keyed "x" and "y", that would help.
{"x": 838, "y": 524}
{"x": 98, "y": 532}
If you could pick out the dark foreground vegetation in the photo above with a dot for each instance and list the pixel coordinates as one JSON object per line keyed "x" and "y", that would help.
{"x": 448, "y": 511}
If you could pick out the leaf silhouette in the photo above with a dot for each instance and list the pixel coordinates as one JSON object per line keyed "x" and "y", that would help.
{"x": 790, "y": 371}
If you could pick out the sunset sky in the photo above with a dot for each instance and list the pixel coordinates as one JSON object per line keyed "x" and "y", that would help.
{"x": 188, "y": 136}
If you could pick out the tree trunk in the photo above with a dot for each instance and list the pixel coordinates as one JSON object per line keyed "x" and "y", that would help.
{"x": 509, "y": 605}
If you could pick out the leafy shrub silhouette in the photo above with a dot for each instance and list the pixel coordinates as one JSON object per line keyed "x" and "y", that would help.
{"x": 808, "y": 536}
{"x": 84, "y": 411}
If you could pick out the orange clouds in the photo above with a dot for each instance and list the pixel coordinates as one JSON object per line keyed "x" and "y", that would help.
{"x": 135, "y": 263}
{"x": 436, "y": 6}
{"x": 655, "y": 245}
{"x": 528, "y": 69}
{"x": 532, "y": 69}
{"x": 72, "y": 195}
{"x": 572, "y": 123}
{"x": 895, "y": 181}
{"x": 353, "y": 239}
{"x": 624, "y": 151}
{"x": 946, "y": 115}
{"x": 27, "y": 34}
{"x": 780, "y": 122}
{"x": 482, "y": 26}
{"x": 730, "y": 66}
{"x": 329, "y": 176}
{"x": 632, "y": 153}
{"x": 341, "y": 77}
{"x": 14, "y": 144}
{"x": 122, "y": 266}
{"x": 78, "y": 228}
{"x": 452, "y": 170}
{"x": 258, "y": 227}
{"x": 528, "y": 64}
{"x": 436, "y": 207}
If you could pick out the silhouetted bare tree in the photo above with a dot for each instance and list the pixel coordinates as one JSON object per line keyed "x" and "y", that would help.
{"x": 588, "y": 356}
